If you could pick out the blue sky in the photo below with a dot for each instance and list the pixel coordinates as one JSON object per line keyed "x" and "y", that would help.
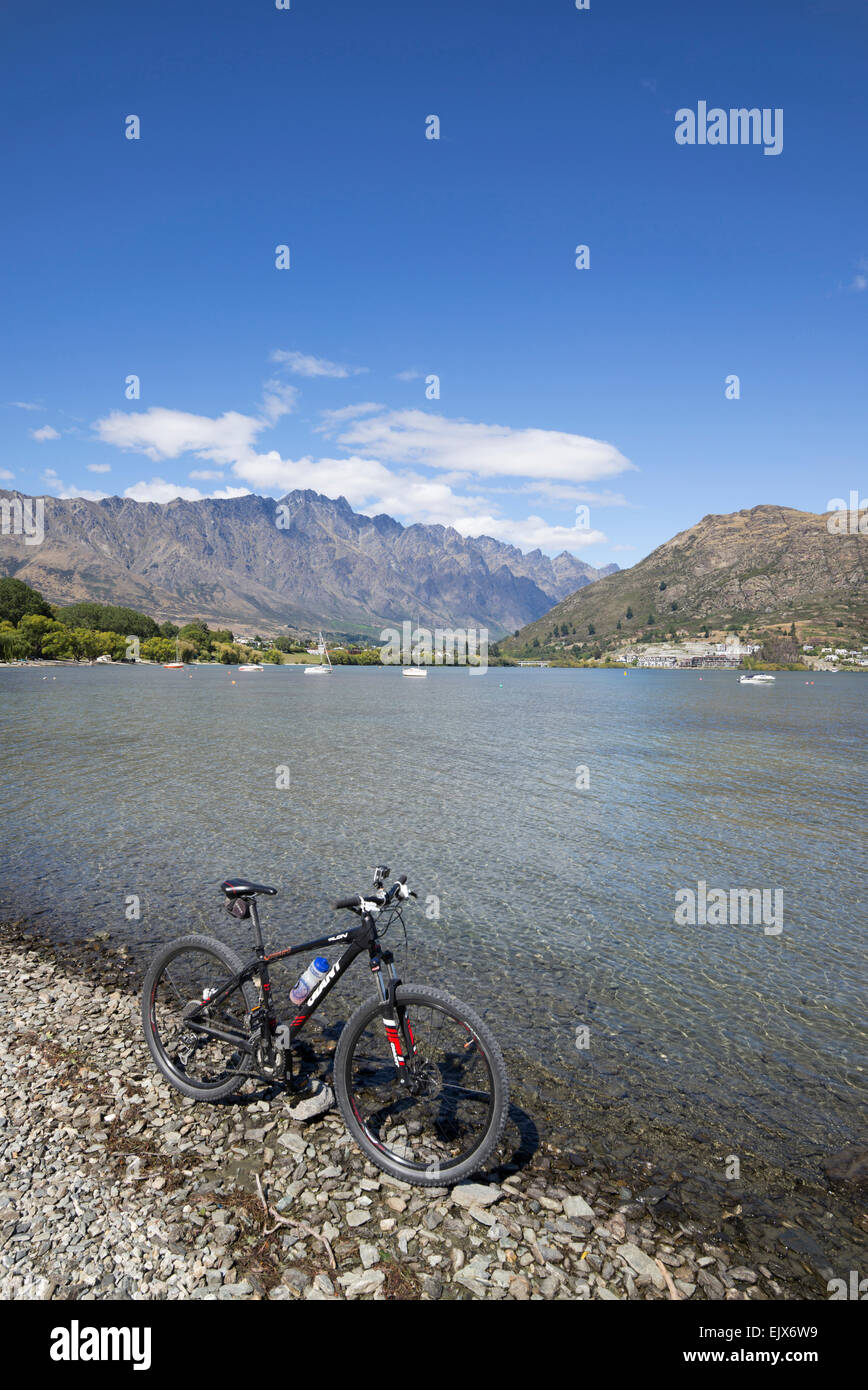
{"x": 410, "y": 257}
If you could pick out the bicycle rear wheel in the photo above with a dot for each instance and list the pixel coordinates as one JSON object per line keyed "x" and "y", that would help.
{"x": 198, "y": 1063}
{"x": 437, "y": 1118}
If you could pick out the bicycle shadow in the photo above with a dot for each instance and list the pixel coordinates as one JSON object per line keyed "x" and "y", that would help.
{"x": 521, "y": 1137}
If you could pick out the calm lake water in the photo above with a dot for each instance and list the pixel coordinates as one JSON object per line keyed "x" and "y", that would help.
{"x": 557, "y": 904}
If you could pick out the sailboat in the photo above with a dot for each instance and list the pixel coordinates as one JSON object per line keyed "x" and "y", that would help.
{"x": 419, "y": 671}
{"x": 177, "y": 664}
{"x": 325, "y": 667}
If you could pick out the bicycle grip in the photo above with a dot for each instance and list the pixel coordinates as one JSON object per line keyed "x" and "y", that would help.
{"x": 354, "y": 901}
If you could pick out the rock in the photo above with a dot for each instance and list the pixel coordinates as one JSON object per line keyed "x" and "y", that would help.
{"x": 37, "y": 1289}
{"x": 744, "y": 1276}
{"x": 296, "y": 1143}
{"x": 474, "y": 1194}
{"x": 519, "y": 1288}
{"x": 849, "y": 1165}
{"x": 369, "y": 1255}
{"x": 321, "y": 1100}
{"x": 641, "y": 1263}
{"x": 476, "y": 1287}
{"x": 361, "y": 1281}
{"x": 358, "y": 1218}
{"x": 577, "y": 1209}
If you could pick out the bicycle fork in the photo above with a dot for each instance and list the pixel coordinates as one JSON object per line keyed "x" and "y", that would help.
{"x": 399, "y": 1034}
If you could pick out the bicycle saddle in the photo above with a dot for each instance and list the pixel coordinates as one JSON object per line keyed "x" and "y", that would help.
{"x": 242, "y": 888}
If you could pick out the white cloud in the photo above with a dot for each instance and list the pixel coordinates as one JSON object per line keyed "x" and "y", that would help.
{"x": 165, "y": 434}
{"x": 158, "y": 490}
{"x": 57, "y": 488}
{"x": 26, "y": 405}
{"x": 414, "y": 436}
{"x": 46, "y": 432}
{"x": 99, "y": 468}
{"x": 529, "y": 533}
{"x": 332, "y": 418}
{"x": 278, "y": 399}
{"x": 563, "y": 492}
{"x": 391, "y": 469}
{"x": 410, "y": 375}
{"x": 304, "y": 364}
{"x": 6, "y": 475}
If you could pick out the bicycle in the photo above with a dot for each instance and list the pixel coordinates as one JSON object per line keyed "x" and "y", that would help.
{"x": 425, "y": 1102}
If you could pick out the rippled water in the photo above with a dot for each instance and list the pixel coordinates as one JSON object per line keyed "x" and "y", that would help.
{"x": 557, "y": 905}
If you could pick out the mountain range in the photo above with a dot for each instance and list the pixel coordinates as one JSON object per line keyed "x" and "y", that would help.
{"x": 303, "y": 562}
{"x": 766, "y": 567}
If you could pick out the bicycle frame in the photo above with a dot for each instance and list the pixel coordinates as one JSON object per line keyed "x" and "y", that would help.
{"x": 358, "y": 939}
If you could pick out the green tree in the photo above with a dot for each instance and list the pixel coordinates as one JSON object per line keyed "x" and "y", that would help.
{"x": 222, "y": 634}
{"x": 169, "y": 630}
{"x": 18, "y": 599}
{"x": 197, "y": 635}
{"x": 673, "y": 607}
{"x": 651, "y": 620}
{"x": 231, "y": 656}
{"x": 59, "y": 644}
{"x": 591, "y": 629}
{"x": 662, "y": 585}
{"x": 618, "y": 625}
{"x": 108, "y": 617}
{"x": 14, "y": 645}
{"x": 35, "y": 626}
{"x": 158, "y": 649}
{"x": 629, "y": 613}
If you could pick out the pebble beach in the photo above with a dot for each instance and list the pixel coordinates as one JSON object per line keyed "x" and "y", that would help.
{"x": 113, "y": 1186}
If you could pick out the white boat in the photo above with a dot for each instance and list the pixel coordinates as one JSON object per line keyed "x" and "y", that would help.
{"x": 755, "y": 680}
{"x": 103, "y": 660}
{"x": 325, "y": 666}
{"x": 415, "y": 671}
{"x": 251, "y": 666}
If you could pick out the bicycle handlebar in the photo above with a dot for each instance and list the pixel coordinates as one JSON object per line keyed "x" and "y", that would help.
{"x": 379, "y": 898}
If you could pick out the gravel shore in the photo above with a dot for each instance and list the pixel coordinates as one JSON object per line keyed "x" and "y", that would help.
{"x": 113, "y": 1186}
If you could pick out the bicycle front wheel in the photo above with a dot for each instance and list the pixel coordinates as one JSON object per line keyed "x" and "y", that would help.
{"x": 438, "y": 1117}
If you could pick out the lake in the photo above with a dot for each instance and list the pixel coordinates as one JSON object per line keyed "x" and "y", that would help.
{"x": 556, "y": 901}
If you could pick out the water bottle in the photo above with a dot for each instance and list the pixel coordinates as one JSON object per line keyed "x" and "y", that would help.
{"x": 309, "y": 980}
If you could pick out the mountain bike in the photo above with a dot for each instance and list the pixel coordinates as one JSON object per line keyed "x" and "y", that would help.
{"x": 425, "y": 1101}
